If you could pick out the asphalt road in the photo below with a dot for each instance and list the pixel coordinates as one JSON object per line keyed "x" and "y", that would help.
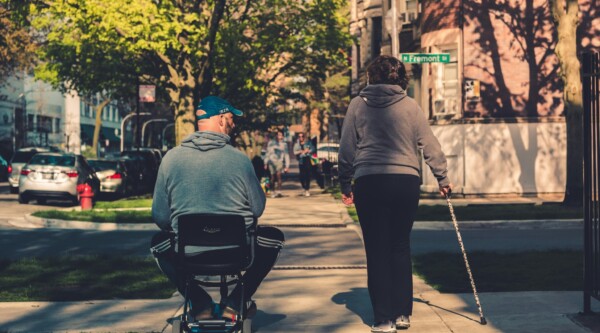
{"x": 19, "y": 243}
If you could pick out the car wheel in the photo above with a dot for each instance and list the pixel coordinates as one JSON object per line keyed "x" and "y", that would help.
{"x": 23, "y": 199}
{"x": 14, "y": 190}
{"x": 75, "y": 200}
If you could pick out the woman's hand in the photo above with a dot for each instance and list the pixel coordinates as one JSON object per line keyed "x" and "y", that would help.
{"x": 445, "y": 191}
{"x": 348, "y": 199}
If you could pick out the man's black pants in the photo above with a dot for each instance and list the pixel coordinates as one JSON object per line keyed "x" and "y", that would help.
{"x": 269, "y": 242}
{"x": 386, "y": 207}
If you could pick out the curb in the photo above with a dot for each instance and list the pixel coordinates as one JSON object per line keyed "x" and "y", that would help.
{"x": 33, "y": 222}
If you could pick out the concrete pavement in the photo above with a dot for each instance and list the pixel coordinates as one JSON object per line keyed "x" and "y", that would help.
{"x": 319, "y": 285}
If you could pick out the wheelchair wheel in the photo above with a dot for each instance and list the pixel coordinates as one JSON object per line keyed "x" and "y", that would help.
{"x": 177, "y": 326}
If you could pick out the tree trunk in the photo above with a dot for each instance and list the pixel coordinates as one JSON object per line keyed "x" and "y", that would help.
{"x": 565, "y": 15}
{"x": 98, "y": 126}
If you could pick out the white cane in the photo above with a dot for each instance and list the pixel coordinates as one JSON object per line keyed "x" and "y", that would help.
{"x": 482, "y": 320}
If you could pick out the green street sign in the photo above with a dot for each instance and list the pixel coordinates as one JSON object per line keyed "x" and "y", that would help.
{"x": 421, "y": 58}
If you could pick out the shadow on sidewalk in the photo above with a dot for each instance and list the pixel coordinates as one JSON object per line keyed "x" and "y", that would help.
{"x": 419, "y": 300}
{"x": 264, "y": 319}
{"x": 357, "y": 301}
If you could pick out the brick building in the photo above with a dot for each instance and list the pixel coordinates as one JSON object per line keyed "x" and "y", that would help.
{"x": 497, "y": 105}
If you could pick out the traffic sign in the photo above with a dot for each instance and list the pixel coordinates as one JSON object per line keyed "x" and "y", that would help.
{"x": 421, "y": 58}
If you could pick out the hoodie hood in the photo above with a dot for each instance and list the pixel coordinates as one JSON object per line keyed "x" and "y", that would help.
{"x": 382, "y": 95}
{"x": 206, "y": 140}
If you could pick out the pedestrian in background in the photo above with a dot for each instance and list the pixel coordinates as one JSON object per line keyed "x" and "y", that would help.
{"x": 304, "y": 149}
{"x": 277, "y": 160}
{"x": 382, "y": 132}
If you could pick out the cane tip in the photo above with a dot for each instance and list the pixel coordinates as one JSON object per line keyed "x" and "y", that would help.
{"x": 483, "y": 321}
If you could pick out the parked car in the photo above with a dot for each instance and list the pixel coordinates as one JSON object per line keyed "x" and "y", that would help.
{"x": 20, "y": 158}
{"x": 113, "y": 175}
{"x": 328, "y": 151}
{"x": 148, "y": 164}
{"x": 3, "y": 169}
{"x": 55, "y": 176}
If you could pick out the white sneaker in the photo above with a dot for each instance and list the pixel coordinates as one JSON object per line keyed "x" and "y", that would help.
{"x": 403, "y": 322}
{"x": 384, "y": 327}
{"x": 306, "y": 194}
{"x": 273, "y": 195}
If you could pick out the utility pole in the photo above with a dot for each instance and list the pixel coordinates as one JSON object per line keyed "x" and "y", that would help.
{"x": 395, "y": 40}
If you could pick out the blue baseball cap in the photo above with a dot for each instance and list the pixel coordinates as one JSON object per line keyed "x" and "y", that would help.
{"x": 212, "y": 105}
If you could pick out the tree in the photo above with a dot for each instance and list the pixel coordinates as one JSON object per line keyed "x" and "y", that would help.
{"x": 17, "y": 47}
{"x": 194, "y": 48}
{"x": 566, "y": 17}
{"x": 80, "y": 55}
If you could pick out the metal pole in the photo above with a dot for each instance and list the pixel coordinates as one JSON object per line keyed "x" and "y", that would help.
{"x": 164, "y": 131}
{"x": 137, "y": 110}
{"x": 588, "y": 273}
{"x": 148, "y": 122}
{"x": 395, "y": 41}
{"x": 123, "y": 126}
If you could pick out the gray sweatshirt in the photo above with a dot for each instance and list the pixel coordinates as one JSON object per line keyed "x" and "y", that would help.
{"x": 206, "y": 175}
{"x": 382, "y": 132}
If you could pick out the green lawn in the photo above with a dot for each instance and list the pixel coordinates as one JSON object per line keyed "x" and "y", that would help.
{"x": 125, "y": 203}
{"x": 99, "y": 215}
{"x": 523, "y": 271}
{"x": 82, "y": 278}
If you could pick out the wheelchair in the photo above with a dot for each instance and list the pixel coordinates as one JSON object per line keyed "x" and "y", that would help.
{"x": 231, "y": 233}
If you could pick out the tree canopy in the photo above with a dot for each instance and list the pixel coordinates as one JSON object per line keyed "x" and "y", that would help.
{"x": 189, "y": 49}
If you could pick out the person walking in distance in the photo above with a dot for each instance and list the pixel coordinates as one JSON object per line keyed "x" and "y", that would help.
{"x": 304, "y": 149}
{"x": 382, "y": 132}
{"x": 277, "y": 160}
{"x": 206, "y": 175}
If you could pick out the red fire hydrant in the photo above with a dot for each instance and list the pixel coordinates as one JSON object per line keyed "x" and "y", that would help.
{"x": 86, "y": 196}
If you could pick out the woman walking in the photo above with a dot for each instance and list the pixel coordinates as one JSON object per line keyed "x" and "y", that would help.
{"x": 382, "y": 133}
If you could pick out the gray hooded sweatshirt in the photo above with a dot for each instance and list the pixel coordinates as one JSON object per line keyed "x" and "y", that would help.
{"x": 382, "y": 132}
{"x": 206, "y": 175}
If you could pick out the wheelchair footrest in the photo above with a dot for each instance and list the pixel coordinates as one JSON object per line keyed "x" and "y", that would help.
{"x": 212, "y": 326}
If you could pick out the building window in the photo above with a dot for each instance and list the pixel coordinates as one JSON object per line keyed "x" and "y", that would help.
{"x": 376, "y": 37}
{"x": 446, "y": 95}
{"x": 57, "y": 125}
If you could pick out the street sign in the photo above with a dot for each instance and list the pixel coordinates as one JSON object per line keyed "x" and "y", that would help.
{"x": 147, "y": 93}
{"x": 421, "y": 58}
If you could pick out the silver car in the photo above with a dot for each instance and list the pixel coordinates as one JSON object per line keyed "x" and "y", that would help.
{"x": 113, "y": 175}
{"x": 55, "y": 176}
{"x": 19, "y": 159}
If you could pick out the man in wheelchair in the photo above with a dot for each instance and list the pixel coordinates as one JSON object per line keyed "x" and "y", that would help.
{"x": 202, "y": 178}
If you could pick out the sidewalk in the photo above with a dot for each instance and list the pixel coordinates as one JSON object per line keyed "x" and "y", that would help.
{"x": 319, "y": 285}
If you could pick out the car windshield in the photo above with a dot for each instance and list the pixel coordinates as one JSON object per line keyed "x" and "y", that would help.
{"x": 56, "y": 160}
{"x": 102, "y": 165}
{"x": 23, "y": 156}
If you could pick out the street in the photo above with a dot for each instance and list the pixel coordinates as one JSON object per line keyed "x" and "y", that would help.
{"x": 20, "y": 243}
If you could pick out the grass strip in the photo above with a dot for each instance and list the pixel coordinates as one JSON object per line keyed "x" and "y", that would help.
{"x": 82, "y": 278}
{"x": 124, "y": 203}
{"x": 97, "y": 215}
{"x": 555, "y": 270}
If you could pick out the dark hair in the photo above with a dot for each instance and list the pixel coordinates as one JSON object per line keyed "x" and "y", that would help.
{"x": 387, "y": 70}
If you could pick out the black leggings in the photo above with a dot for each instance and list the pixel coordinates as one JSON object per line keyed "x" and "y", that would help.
{"x": 386, "y": 207}
{"x": 305, "y": 170}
